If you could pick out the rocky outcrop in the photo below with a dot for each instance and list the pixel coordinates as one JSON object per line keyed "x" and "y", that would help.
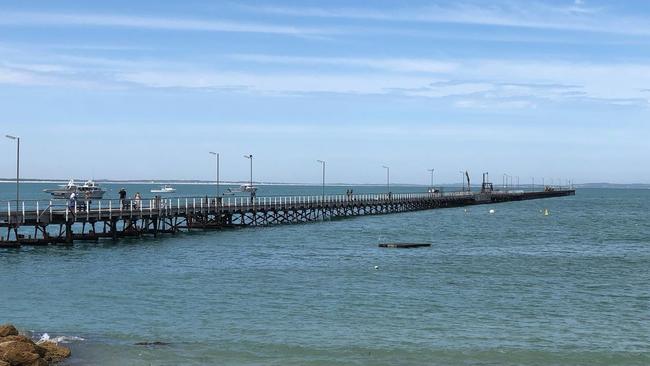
{"x": 54, "y": 352}
{"x": 19, "y": 350}
{"x": 8, "y": 330}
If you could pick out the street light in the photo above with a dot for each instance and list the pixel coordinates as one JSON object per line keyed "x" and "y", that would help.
{"x": 533, "y": 187}
{"x": 216, "y": 157}
{"x": 431, "y": 170}
{"x": 387, "y": 178}
{"x": 250, "y": 157}
{"x": 17, "y": 139}
{"x": 462, "y": 179}
{"x": 323, "y": 163}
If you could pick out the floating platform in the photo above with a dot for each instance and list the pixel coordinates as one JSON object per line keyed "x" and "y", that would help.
{"x": 404, "y": 245}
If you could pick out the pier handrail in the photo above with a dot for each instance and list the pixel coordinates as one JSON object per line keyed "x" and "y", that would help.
{"x": 38, "y": 208}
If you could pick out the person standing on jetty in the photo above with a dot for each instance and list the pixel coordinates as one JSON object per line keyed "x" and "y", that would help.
{"x": 137, "y": 198}
{"x": 122, "y": 196}
{"x": 72, "y": 203}
{"x": 87, "y": 199}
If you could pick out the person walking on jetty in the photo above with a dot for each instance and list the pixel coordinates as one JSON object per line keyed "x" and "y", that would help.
{"x": 122, "y": 197}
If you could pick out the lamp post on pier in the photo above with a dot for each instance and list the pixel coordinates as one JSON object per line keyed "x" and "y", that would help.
{"x": 250, "y": 157}
{"x": 17, "y": 139}
{"x": 322, "y": 162}
{"x": 462, "y": 180}
{"x": 216, "y": 158}
{"x": 387, "y": 178}
{"x": 250, "y": 187}
{"x": 431, "y": 170}
{"x": 533, "y": 187}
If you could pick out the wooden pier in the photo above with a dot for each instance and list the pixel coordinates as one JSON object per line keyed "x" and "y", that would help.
{"x": 52, "y": 222}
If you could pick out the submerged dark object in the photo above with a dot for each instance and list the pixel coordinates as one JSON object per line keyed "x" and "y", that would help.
{"x": 154, "y": 343}
{"x": 404, "y": 245}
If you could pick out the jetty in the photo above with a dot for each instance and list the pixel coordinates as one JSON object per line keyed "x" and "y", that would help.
{"x": 35, "y": 222}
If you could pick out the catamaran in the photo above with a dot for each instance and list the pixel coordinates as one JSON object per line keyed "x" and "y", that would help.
{"x": 89, "y": 189}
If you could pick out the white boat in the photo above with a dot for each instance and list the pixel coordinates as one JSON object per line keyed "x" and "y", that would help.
{"x": 88, "y": 190}
{"x": 247, "y": 188}
{"x": 244, "y": 188}
{"x": 164, "y": 189}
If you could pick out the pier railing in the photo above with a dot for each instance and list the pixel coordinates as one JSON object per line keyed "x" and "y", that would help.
{"x": 13, "y": 213}
{"x": 63, "y": 221}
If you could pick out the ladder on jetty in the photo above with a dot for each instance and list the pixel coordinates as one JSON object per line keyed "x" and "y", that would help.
{"x": 50, "y": 222}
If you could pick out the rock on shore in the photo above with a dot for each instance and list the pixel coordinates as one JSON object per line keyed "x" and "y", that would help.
{"x": 18, "y": 350}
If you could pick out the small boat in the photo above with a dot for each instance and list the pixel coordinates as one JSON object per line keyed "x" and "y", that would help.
{"x": 88, "y": 190}
{"x": 164, "y": 189}
{"x": 247, "y": 188}
{"x": 404, "y": 245}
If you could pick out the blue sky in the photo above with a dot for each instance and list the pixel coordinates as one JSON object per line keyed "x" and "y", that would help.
{"x": 144, "y": 90}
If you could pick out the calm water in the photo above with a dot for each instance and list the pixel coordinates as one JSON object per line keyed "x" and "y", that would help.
{"x": 510, "y": 288}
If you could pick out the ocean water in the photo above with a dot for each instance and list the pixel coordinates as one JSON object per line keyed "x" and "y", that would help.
{"x": 510, "y": 288}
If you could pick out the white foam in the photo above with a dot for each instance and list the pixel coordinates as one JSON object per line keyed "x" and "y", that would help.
{"x": 67, "y": 339}
{"x": 60, "y": 339}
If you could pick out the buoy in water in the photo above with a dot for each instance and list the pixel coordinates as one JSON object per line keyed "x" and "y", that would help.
{"x": 491, "y": 211}
{"x": 376, "y": 267}
{"x": 546, "y": 213}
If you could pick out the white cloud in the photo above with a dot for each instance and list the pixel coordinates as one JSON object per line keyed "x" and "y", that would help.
{"x": 389, "y": 64}
{"x": 466, "y": 82}
{"x": 159, "y": 23}
{"x": 529, "y": 14}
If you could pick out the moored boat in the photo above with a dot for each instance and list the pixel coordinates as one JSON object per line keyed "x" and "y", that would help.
{"x": 89, "y": 190}
{"x": 164, "y": 189}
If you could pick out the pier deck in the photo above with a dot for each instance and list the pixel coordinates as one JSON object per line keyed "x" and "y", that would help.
{"x": 52, "y": 222}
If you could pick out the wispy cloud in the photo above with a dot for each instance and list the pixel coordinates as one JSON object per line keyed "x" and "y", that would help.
{"x": 464, "y": 83}
{"x": 158, "y": 23}
{"x": 577, "y": 16}
{"x": 389, "y": 64}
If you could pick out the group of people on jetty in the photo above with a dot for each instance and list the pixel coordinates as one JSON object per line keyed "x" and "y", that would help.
{"x": 74, "y": 204}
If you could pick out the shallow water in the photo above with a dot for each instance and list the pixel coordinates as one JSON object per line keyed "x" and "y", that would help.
{"x": 510, "y": 288}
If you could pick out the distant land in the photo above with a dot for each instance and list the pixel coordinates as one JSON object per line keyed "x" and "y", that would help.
{"x": 195, "y": 181}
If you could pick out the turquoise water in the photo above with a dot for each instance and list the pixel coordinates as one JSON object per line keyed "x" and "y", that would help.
{"x": 510, "y": 288}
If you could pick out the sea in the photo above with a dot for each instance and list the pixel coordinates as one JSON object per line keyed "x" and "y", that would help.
{"x": 512, "y": 287}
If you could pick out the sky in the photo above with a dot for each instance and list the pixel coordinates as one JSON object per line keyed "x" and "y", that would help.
{"x": 146, "y": 89}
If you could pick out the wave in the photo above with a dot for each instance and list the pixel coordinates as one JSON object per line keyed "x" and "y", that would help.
{"x": 59, "y": 339}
